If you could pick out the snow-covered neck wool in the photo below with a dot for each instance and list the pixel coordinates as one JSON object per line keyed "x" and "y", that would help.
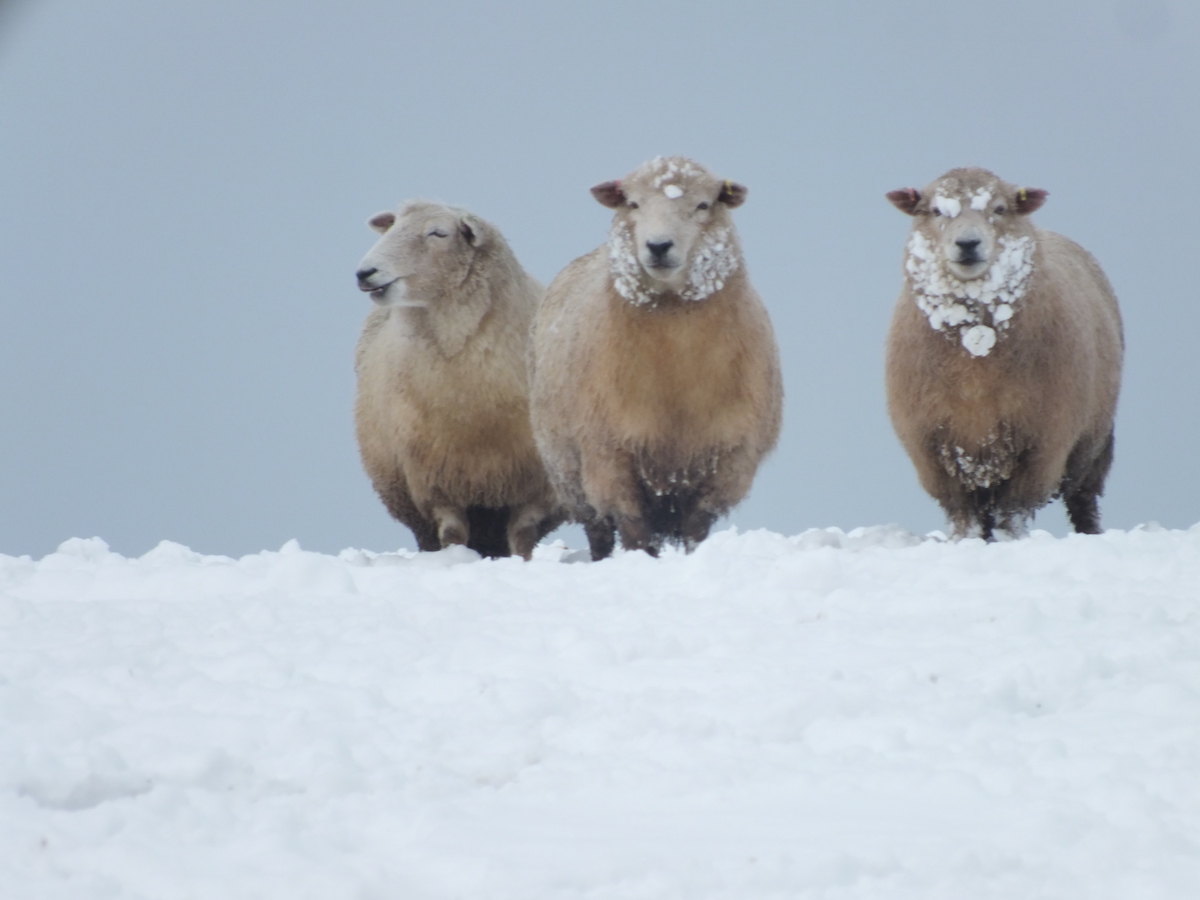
{"x": 980, "y": 310}
{"x": 714, "y": 259}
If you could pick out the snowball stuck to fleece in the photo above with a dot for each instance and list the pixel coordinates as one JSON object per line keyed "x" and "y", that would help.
{"x": 673, "y": 191}
{"x": 979, "y": 339}
{"x": 947, "y": 206}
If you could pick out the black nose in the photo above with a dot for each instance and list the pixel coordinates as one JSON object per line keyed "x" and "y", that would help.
{"x": 659, "y": 250}
{"x": 363, "y": 274}
{"x": 967, "y": 247}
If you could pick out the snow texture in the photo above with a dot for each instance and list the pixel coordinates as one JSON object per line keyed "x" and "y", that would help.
{"x": 673, "y": 191}
{"x": 663, "y": 169}
{"x": 947, "y": 206}
{"x": 980, "y": 199}
{"x": 834, "y": 715}
{"x": 981, "y": 309}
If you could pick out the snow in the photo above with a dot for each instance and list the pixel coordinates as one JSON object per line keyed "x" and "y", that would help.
{"x": 714, "y": 259}
{"x": 980, "y": 199}
{"x": 947, "y": 206}
{"x": 663, "y": 169}
{"x": 673, "y": 191}
{"x": 711, "y": 261}
{"x": 871, "y": 714}
{"x": 979, "y": 339}
{"x": 624, "y": 267}
{"x": 951, "y": 303}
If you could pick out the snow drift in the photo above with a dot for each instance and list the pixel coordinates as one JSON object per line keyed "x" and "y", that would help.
{"x": 835, "y": 715}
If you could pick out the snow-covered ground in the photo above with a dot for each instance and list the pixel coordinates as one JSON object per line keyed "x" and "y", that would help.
{"x": 862, "y": 715}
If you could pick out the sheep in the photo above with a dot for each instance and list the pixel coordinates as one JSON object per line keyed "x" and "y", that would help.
{"x": 656, "y": 380}
{"x": 442, "y": 414}
{"x": 1003, "y": 358}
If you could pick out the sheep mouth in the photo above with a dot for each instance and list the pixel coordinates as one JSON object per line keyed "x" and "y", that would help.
{"x": 377, "y": 291}
{"x": 971, "y": 267}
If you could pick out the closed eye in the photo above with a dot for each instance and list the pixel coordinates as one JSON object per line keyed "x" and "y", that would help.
{"x": 1000, "y": 210}
{"x": 703, "y": 205}
{"x": 436, "y": 233}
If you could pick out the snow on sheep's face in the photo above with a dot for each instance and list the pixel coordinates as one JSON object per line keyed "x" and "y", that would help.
{"x": 963, "y": 216}
{"x": 424, "y": 248}
{"x": 970, "y": 254}
{"x": 671, "y": 232}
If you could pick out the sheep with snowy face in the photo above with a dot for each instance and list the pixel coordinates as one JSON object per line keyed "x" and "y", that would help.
{"x": 1004, "y": 358}
{"x": 656, "y": 384}
{"x": 443, "y": 392}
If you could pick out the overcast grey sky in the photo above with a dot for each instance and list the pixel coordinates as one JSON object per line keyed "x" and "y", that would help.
{"x": 184, "y": 185}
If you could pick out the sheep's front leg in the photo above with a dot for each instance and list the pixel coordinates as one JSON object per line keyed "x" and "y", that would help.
{"x": 612, "y": 490}
{"x": 452, "y": 525}
{"x": 524, "y": 528}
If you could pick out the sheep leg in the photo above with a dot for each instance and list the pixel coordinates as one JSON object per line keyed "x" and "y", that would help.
{"x": 613, "y": 492}
{"x": 636, "y": 534}
{"x": 487, "y": 530}
{"x": 1080, "y": 496}
{"x": 601, "y": 535}
{"x": 525, "y": 528}
{"x": 451, "y": 525}
{"x": 696, "y": 525}
{"x": 974, "y": 518}
{"x": 399, "y": 503}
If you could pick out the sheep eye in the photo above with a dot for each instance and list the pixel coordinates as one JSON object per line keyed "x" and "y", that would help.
{"x": 436, "y": 233}
{"x": 703, "y": 205}
{"x": 1001, "y": 209}
{"x": 632, "y": 205}
{"x": 935, "y": 211}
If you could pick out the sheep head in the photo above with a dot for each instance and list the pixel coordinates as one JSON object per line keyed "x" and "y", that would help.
{"x": 970, "y": 254}
{"x": 421, "y": 251}
{"x": 671, "y": 232}
{"x": 964, "y": 213}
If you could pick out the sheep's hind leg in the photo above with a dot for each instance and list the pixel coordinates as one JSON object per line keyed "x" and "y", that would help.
{"x": 487, "y": 529}
{"x": 1081, "y": 496}
{"x": 636, "y": 535}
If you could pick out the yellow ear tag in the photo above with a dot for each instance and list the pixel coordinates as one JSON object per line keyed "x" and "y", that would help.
{"x": 728, "y": 186}
{"x": 1022, "y": 196}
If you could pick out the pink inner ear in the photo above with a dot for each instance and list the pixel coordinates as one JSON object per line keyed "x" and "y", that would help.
{"x": 382, "y": 221}
{"x": 732, "y": 194}
{"x": 610, "y": 194}
{"x": 905, "y": 199}
{"x": 1030, "y": 200}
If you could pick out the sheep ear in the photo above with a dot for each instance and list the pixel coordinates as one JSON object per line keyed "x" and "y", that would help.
{"x": 1029, "y": 200}
{"x": 732, "y": 194}
{"x": 381, "y": 222}
{"x": 610, "y": 194}
{"x": 905, "y": 200}
{"x": 472, "y": 231}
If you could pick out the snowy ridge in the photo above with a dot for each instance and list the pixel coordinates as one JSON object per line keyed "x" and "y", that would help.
{"x": 860, "y": 714}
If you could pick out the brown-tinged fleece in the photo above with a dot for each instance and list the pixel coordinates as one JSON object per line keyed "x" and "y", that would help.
{"x": 443, "y": 389}
{"x": 656, "y": 385}
{"x": 1003, "y": 359}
